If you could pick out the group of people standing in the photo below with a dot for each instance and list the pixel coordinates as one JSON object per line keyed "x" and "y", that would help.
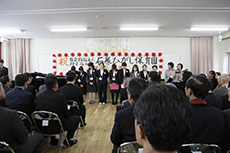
{"x": 94, "y": 80}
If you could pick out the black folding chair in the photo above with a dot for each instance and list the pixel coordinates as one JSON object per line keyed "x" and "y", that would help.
{"x": 71, "y": 104}
{"x": 203, "y": 148}
{"x": 27, "y": 121}
{"x": 5, "y": 148}
{"x": 49, "y": 124}
{"x": 129, "y": 147}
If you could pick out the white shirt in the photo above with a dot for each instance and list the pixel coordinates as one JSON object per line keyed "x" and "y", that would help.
{"x": 102, "y": 71}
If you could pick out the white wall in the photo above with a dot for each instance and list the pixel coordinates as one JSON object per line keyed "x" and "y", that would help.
{"x": 168, "y": 45}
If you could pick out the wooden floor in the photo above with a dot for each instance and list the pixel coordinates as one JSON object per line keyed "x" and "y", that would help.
{"x": 95, "y": 137}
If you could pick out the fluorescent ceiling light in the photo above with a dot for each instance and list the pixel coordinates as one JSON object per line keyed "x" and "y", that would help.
{"x": 68, "y": 29}
{"x": 136, "y": 28}
{"x": 10, "y": 31}
{"x": 218, "y": 29}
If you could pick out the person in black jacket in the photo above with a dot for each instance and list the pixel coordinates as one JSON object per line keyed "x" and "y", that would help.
{"x": 123, "y": 129}
{"x": 102, "y": 75}
{"x": 81, "y": 80}
{"x": 18, "y": 98}
{"x": 6, "y": 82}
{"x": 212, "y": 77}
{"x": 91, "y": 80}
{"x": 185, "y": 76}
{"x": 51, "y": 100}
{"x": 123, "y": 73}
{"x": 3, "y": 69}
{"x": 73, "y": 92}
{"x": 30, "y": 87}
{"x": 208, "y": 123}
{"x": 114, "y": 80}
{"x": 144, "y": 73}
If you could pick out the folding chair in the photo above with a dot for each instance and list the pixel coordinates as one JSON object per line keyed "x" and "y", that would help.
{"x": 27, "y": 121}
{"x": 73, "y": 104}
{"x": 49, "y": 124}
{"x": 129, "y": 147}
{"x": 199, "y": 148}
{"x": 5, "y": 148}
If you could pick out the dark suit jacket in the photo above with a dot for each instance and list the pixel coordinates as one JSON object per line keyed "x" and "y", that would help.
{"x": 3, "y": 71}
{"x": 6, "y": 88}
{"x": 72, "y": 92}
{"x": 55, "y": 102}
{"x": 214, "y": 83}
{"x": 12, "y": 129}
{"x": 102, "y": 79}
{"x": 31, "y": 89}
{"x": 123, "y": 129}
{"x": 93, "y": 76}
{"x": 226, "y": 103}
{"x": 121, "y": 75}
{"x": 114, "y": 79}
{"x": 81, "y": 80}
{"x": 207, "y": 125}
{"x": 144, "y": 77}
{"x": 213, "y": 100}
{"x": 21, "y": 100}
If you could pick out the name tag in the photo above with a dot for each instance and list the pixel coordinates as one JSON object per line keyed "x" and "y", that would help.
{"x": 68, "y": 107}
{"x": 113, "y": 79}
{"x": 91, "y": 78}
{"x": 104, "y": 72}
{"x": 45, "y": 122}
{"x": 79, "y": 80}
{"x": 100, "y": 78}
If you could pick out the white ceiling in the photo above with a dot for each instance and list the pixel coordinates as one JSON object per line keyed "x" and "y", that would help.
{"x": 104, "y": 17}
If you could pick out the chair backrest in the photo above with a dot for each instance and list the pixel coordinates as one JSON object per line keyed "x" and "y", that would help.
{"x": 129, "y": 147}
{"x": 47, "y": 122}
{"x": 5, "y": 148}
{"x": 25, "y": 118}
{"x": 73, "y": 104}
{"x": 202, "y": 148}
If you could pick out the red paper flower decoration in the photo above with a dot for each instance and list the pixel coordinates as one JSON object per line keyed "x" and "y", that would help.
{"x": 98, "y": 54}
{"x": 153, "y": 54}
{"x": 126, "y": 54}
{"x": 54, "y": 67}
{"x": 159, "y": 54}
{"x": 72, "y": 54}
{"x": 146, "y": 54}
{"x": 160, "y": 72}
{"x": 54, "y": 61}
{"x": 66, "y": 55}
{"x": 55, "y": 72}
{"x": 161, "y": 60}
{"x": 119, "y": 54}
{"x": 161, "y": 66}
{"x": 139, "y": 54}
{"x": 78, "y": 54}
{"x": 92, "y": 54}
{"x": 85, "y": 54}
{"x": 132, "y": 54}
{"x": 106, "y": 54}
{"x": 61, "y": 73}
{"x": 112, "y": 54}
{"x": 54, "y": 55}
{"x": 59, "y": 55}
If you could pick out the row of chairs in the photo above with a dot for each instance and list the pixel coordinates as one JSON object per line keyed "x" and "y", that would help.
{"x": 134, "y": 147}
{"x": 47, "y": 123}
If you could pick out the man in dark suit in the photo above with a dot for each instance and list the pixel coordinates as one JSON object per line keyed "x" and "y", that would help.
{"x": 123, "y": 73}
{"x": 51, "y": 100}
{"x": 123, "y": 129}
{"x": 18, "y": 98}
{"x": 212, "y": 78}
{"x": 3, "y": 69}
{"x": 6, "y": 82}
{"x": 13, "y": 131}
{"x": 102, "y": 75}
{"x": 73, "y": 92}
{"x": 208, "y": 123}
{"x": 144, "y": 73}
{"x": 30, "y": 87}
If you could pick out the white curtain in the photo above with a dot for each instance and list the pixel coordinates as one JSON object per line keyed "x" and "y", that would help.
{"x": 19, "y": 53}
{"x": 201, "y": 48}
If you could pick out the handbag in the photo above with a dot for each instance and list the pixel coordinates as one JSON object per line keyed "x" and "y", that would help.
{"x": 114, "y": 86}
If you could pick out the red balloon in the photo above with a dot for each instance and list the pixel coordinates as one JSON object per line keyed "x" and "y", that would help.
{"x": 126, "y": 54}
{"x": 153, "y": 54}
{"x": 78, "y": 54}
{"x": 161, "y": 66}
{"x": 66, "y": 55}
{"x": 161, "y": 60}
{"x": 139, "y": 54}
{"x": 159, "y": 54}
{"x": 61, "y": 73}
{"x": 54, "y": 67}
{"x": 112, "y": 54}
{"x": 72, "y": 54}
{"x": 160, "y": 72}
{"x": 55, "y": 72}
{"x": 54, "y": 55}
{"x": 146, "y": 54}
{"x": 92, "y": 54}
{"x": 54, "y": 61}
{"x": 59, "y": 55}
{"x": 98, "y": 54}
{"x": 119, "y": 54}
{"x": 106, "y": 54}
{"x": 85, "y": 54}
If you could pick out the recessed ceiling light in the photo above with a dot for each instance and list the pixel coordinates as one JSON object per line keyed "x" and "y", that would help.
{"x": 137, "y": 28}
{"x": 5, "y": 31}
{"x": 68, "y": 29}
{"x": 218, "y": 29}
